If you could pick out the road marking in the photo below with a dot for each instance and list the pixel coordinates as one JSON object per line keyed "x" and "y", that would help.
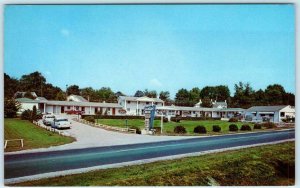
{"x": 133, "y": 149}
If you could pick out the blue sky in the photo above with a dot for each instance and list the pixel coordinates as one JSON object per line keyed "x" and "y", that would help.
{"x": 160, "y": 47}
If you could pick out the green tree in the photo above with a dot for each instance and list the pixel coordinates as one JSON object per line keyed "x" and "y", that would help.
{"x": 164, "y": 95}
{"x": 11, "y": 108}
{"x": 11, "y": 86}
{"x": 209, "y": 92}
{"x": 182, "y": 98}
{"x": 244, "y": 96}
{"x": 90, "y": 94}
{"x": 275, "y": 94}
{"x": 106, "y": 94}
{"x": 61, "y": 96}
{"x": 28, "y": 95}
{"x": 222, "y": 93}
{"x": 194, "y": 95}
{"x": 151, "y": 94}
{"x": 33, "y": 82}
{"x": 139, "y": 93}
{"x": 34, "y": 114}
{"x": 73, "y": 90}
{"x": 206, "y": 102}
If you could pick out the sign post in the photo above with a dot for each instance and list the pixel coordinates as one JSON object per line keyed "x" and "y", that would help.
{"x": 149, "y": 119}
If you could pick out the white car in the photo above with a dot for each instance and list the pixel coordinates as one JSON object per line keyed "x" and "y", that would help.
{"x": 61, "y": 122}
{"x": 48, "y": 119}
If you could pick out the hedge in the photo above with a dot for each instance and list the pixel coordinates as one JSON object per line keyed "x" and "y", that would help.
{"x": 117, "y": 117}
{"x": 194, "y": 118}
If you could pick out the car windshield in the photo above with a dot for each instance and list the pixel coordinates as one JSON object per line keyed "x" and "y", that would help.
{"x": 61, "y": 120}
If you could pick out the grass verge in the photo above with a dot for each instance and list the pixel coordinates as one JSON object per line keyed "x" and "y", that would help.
{"x": 168, "y": 128}
{"x": 34, "y": 137}
{"x": 263, "y": 165}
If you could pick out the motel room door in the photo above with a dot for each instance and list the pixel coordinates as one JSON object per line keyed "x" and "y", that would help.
{"x": 113, "y": 111}
{"x": 62, "y": 109}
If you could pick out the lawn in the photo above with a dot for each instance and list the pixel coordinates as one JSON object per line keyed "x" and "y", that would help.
{"x": 169, "y": 127}
{"x": 34, "y": 137}
{"x": 263, "y": 165}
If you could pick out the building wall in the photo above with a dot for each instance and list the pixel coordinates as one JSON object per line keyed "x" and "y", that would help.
{"x": 27, "y": 106}
{"x": 131, "y": 107}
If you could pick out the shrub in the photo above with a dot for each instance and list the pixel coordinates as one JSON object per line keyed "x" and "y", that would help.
{"x": 269, "y": 125}
{"x": 165, "y": 120}
{"x": 233, "y": 127}
{"x": 90, "y": 119}
{"x": 138, "y": 130}
{"x": 233, "y": 119}
{"x": 157, "y": 130}
{"x": 180, "y": 129}
{"x": 176, "y": 119}
{"x": 245, "y": 128}
{"x": 11, "y": 108}
{"x": 34, "y": 114}
{"x": 200, "y": 129}
{"x": 257, "y": 126}
{"x": 216, "y": 128}
{"x": 26, "y": 115}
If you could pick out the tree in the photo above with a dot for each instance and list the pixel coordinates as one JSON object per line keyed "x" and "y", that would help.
{"x": 244, "y": 96}
{"x": 194, "y": 95}
{"x": 222, "y": 93}
{"x": 90, "y": 94}
{"x": 275, "y": 94}
{"x": 11, "y": 86}
{"x": 206, "y": 102}
{"x": 34, "y": 114}
{"x": 182, "y": 98}
{"x": 139, "y": 93}
{"x": 164, "y": 95}
{"x": 209, "y": 92}
{"x": 289, "y": 99}
{"x": 61, "y": 96}
{"x": 73, "y": 90}
{"x": 33, "y": 82}
{"x": 151, "y": 94}
{"x": 119, "y": 93}
{"x": 11, "y": 107}
{"x": 106, "y": 94}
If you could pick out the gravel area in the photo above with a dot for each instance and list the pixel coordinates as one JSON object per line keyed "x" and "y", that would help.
{"x": 88, "y": 136}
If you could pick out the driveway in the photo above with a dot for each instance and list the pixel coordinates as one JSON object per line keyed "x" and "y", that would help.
{"x": 88, "y": 136}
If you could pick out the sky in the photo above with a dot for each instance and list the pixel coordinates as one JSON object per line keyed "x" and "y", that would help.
{"x": 154, "y": 47}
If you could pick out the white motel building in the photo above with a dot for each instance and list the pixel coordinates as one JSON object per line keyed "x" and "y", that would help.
{"x": 135, "y": 106}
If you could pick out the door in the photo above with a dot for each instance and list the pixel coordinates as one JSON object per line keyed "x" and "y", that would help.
{"x": 62, "y": 109}
{"x": 113, "y": 111}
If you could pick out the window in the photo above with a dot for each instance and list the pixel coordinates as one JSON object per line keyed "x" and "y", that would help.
{"x": 147, "y": 102}
{"x": 128, "y": 109}
{"x": 282, "y": 114}
{"x": 69, "y": 107}
{"x": 128, "y": 102}
{"x": 77, "y": 107}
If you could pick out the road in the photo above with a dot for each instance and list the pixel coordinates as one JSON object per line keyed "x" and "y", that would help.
{"x": 28, "y": 164}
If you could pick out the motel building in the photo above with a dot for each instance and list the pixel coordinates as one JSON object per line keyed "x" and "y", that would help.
{"x": 269, "y": 113}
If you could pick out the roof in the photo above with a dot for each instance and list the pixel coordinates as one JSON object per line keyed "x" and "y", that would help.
{"x": 78, "y": 97}
{"x": 41, "y": 99}
{"x": 145, "y": 98}
{"x": 86, "y": 104}
{"x": 184, "y": 108}
{"x": 265, "y": 108}
{"x": 26, "y": 100}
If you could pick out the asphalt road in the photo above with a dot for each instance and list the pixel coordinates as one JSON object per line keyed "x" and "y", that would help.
{"x": 19, "y": 165}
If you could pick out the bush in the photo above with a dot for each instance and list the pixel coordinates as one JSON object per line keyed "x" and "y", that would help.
{"x": 90, "y": 119}
{"x": 195, "y": 118}
{"x": 157, "y": 130}
{"x": 257, "y": 126}
{"x": 216, "y": 128}
{"x": 138, "y": 130}
{"x": 233, "y": 119}
{"x": 269, "y": 125}
{"x": 200, "y": 129}
{"x": 165, "y": 120}
{"x": 26, "y": 115}
{"x": 233, "y": 127}
{"x": 180, "y": 129}
{"x": 11, "y": 108}
{"x": 245, "y": 128}
{"x": 176, "y": 119}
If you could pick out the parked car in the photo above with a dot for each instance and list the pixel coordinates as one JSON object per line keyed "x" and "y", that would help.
{"x": 48, "y": 119}
{"x": 60, "y": 123}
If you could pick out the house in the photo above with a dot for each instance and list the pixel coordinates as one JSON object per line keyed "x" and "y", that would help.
{"x": 76, "y": 98}
{"x": 215, "y": 104}
{"x": 136, "y": 105}
{"x": 182, "y": 111}
{"x": 269, "y": 113}
{"x": 60, "y": 107}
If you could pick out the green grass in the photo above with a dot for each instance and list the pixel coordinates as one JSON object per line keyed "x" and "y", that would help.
{"x": 34, "y": 137}
{"x": 263, "y": 165}
{"x": 169, "y": 127}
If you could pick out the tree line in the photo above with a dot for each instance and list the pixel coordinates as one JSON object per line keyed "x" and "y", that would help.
{"x": 244, "y": 95}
